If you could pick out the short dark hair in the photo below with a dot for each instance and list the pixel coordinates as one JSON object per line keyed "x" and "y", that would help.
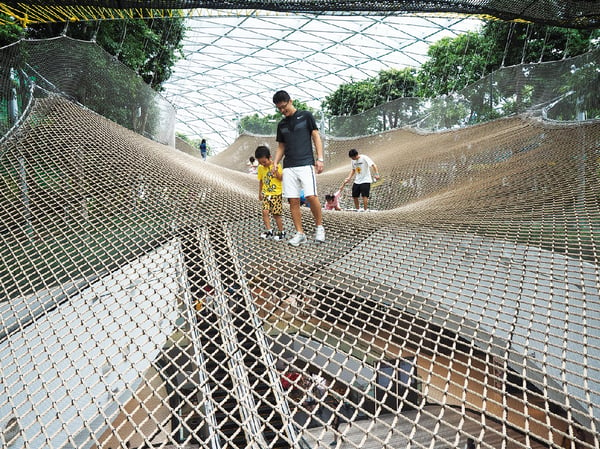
{"x": 353, "y": 152}
{"x": 262, "y": 151}
{"x": 281, "y": 96}
{"x": 329, "y": 197}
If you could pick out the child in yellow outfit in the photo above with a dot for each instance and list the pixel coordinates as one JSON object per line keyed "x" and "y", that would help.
{"x": 269, "y": 192}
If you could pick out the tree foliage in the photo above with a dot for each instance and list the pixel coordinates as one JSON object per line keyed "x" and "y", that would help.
{"x": 9, "y": 33}
{"x": 149, "y": 47}
{"x": 356, "y": 97}
{"x": 454, "y": 66}
{"x": 454, "y": 63}
{"x": 267, "y": 125}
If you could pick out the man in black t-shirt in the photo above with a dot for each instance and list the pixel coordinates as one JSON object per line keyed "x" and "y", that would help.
{"x": 296, "y": 134}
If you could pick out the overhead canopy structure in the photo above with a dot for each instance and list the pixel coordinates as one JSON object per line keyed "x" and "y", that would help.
{"x": 238, "y": 52}
{"x": 567, "y": 13}
{"x": 234, "y": 64}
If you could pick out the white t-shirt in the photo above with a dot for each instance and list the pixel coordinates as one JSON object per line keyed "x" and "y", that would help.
{"x": 362, "y": 169}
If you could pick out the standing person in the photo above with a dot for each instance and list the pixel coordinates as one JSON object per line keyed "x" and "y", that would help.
{"x": 360, "y": 168}
{"x": 269, "y": 192}
{"x": 297, "y": 132}
{"x": 203, "y": 149}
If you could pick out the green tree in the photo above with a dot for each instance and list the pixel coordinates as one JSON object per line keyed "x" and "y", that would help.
{"x": 352, "y": 98}
{"x": 267, "y": 125}
{"x": 393, "y": 84}
{"x": 365, "y": 97}
{"x": 9, "y": 32}
{"x": 396, "y": 83}
{"x": 150, "y": 47}
{"x": 516, "y": 43}
{"x": 454, "y": 63}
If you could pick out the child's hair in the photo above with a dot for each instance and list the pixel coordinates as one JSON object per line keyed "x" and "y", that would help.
{"x": 329, "y": 197}
{"x": 262, "y": 151}
{"x": 352, "y": 153}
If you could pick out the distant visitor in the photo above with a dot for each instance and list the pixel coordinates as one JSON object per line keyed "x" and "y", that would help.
{"x": 360, "y": 169}
{"x": 203, "y": 149}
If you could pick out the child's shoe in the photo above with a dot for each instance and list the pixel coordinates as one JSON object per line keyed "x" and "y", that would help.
{"x": 267, "y": 234}
{"x": 279, "y": 236}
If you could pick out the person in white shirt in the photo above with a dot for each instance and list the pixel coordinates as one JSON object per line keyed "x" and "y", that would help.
{"x": 361, "y": 167}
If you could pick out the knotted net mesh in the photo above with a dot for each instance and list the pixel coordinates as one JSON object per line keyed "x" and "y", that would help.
{"x": 565, "y": 13}
{"x": 141, "y": 308}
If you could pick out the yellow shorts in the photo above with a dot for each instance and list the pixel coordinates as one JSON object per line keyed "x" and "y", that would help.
{"x": 273, "y": 203}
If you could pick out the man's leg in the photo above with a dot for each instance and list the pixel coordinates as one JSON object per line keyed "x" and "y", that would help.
{"x": 365, "y": 190}
{"x": 355, "y": 194}
{"x": 315, "y": 208}
{"x": 296, "y": 214}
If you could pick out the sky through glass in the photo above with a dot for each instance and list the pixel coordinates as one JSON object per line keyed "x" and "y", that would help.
{"x": 235, "y": 62}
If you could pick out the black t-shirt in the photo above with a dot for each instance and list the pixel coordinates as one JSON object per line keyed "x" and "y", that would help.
{"x": 295, "y": 132}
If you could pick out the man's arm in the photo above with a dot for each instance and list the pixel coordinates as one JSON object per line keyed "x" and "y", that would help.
{"x": 349, "y": 177}
{"x": 376, "y": 170}
{"x": 278, "y": 156}
{"x": 316, "y": 138}
{"x": 278, "y": 173}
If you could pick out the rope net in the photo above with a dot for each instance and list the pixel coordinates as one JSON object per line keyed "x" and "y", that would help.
{"x": 87, "y": 74}
{"x": 140, "y": 308}
{"x": 564, "y": 13}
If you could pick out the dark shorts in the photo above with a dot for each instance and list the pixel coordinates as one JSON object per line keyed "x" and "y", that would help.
{"x": 361, "y": 190}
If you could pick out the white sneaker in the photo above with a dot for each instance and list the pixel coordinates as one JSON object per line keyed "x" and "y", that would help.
{"x": 298, "y": 239}
{"x": 320, "y": 234}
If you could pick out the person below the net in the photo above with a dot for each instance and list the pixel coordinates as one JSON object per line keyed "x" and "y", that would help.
{"x": 360, "y": 168}
{"x": 269, "y": 192}
{"x": 297, "y": 132}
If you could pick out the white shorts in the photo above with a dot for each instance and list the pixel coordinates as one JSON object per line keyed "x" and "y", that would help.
{"x": 296, "y": 179}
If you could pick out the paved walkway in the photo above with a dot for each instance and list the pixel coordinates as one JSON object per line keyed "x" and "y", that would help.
{"x": 433, "y": 427}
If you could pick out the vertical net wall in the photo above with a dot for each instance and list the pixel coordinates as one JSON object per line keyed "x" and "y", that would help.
{"x": 85, "y": 73}
{"x": 140, "y": 308}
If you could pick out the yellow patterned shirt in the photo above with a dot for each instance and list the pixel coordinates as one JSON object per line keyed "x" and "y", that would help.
{"x": 270, "y": 184}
